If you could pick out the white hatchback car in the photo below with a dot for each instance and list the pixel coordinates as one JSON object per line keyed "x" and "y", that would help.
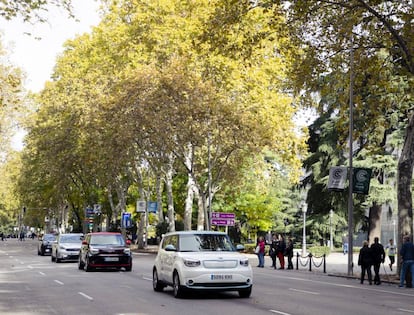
{"x": 201, "y": 260}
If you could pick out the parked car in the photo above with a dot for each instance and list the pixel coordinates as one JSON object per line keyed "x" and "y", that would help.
{"x": 66, "y": 247}
{"x": 45, "y": 244}
{"x": 104, "y": 250}
{"x": 201, "y": 260}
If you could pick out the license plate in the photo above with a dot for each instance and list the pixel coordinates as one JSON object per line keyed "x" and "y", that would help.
{"x": 47, "y": 250}
{"x": 111, "y": 258}
{"x": 221, "y": 277}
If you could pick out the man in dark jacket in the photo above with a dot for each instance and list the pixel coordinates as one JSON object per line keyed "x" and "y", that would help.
{"x": 365, "y": 261}
{"x": 378, "y": 257}
{"x": 407, "y": 257}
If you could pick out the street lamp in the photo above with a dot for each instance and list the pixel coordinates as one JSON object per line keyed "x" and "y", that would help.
{"x": 304, "y": 209}
{"x": 330, "y": 226}
{"x": 395, "y": 241}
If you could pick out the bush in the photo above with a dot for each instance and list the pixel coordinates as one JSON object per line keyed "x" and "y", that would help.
{"x": 319, "y": 251}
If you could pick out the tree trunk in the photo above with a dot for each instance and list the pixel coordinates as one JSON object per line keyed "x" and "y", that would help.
{"x": 159, "y": 199}
{"x": 170, "y": 200}
{"x": 188, "y": 210}
{"x": 374, "y": 222}
{"x": 200, "y": 216}
{"x": 405, "y": 174}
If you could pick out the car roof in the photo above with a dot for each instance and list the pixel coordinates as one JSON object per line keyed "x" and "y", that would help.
{"x": 104, "y": 233}
{"x": 195, "y": 232}
{"x": 71, "y": 234}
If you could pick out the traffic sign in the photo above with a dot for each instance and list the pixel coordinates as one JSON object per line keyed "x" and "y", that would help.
{"x": 223, "y": 215}
{"x": 141, "y": 205}
{"x": 222, "y": 222}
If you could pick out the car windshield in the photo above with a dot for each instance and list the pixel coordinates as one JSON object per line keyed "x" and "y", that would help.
{"x": 49, "y": 237}
{"x": 70, "y": 238}
{"x": 205, "y": 243}
{"x": 110, "y": 239}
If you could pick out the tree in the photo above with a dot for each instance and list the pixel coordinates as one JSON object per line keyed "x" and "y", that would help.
{"x": 380, "y": 34}
{"x": 30, "y": 10}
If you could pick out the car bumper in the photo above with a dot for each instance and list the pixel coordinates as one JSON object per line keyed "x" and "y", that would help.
{"x": 67, "y": 255}
{"x": 224, "y": 280}
{"x": 110, "y": 261}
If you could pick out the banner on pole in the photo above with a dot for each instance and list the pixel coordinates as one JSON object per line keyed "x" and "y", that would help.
{"x": 337, "y": 178}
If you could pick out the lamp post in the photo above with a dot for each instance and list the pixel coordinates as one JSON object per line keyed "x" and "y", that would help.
{"x": 393, "y": 235}
{"x": 330, "y": 226}
{"x": 304, "y": 209}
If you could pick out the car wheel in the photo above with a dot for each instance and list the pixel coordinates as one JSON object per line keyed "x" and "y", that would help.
{"x": 245, "y": 293}
{"x": 81, "y": 265}
{"x": 156, "y": 283}
{"x": 87, "y": 266}
{"x": 177, "y": 288}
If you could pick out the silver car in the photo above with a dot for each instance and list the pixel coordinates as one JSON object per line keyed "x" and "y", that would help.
{"x": 66, "y": 247}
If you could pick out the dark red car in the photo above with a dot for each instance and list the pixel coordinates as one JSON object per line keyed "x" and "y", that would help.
{"x": 104, "y": 250}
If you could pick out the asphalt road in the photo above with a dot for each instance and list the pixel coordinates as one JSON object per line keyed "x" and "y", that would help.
{"x": 32, "y": 284}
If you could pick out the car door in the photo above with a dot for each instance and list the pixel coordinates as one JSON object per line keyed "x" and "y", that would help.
{"x": 169, "y": 256}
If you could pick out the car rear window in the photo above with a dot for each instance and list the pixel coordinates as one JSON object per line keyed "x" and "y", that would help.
{"x": 205, "y": 243}
{"x": 110, "y": 239}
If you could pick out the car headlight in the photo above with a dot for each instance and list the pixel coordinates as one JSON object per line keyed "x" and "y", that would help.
{"x": 127, "y": 251}
{"x": 94, "y": 251}
{"x": 244, "y": 262}
{"x": 191, "y": 262}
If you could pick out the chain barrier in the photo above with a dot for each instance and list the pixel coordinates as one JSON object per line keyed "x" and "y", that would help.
{"x": 310, "y": 260}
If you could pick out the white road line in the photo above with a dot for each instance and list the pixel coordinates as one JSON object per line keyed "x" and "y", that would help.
{"x": 42, "y": 273}
{"x": 403, "y": 310}
{"x": 59, "y": 282}
{"x": 146, "y": 278}
{"x": 303, "y": 291}
{"x": 30, "y": 267}
{"x": 278, "y": 312}
{"x": 86, "y": 296}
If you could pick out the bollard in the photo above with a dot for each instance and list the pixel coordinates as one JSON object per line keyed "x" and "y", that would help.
{"x": 297, "y": 261}
{"x": 324, "y": 263}
{"x": 310, "y": 261}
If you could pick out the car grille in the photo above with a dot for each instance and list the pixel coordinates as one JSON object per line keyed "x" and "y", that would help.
{"x": 72, "y": 249}
{"x": 220, "y": 264}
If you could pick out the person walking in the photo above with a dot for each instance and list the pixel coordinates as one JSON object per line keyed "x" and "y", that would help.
{"x": 273, "y": 248}
{"x": 281, "y": 251}
{"x": 391, "y": 250}
{"x": 260, "y": 251}
{"x": 365, "y": 261}
{"x": 378, "y": 257}
{"x": 289, "y": 253}
{"x": 407, "y": 258}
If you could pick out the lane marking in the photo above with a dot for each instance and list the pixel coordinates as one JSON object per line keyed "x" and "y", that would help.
{"x": 278, "y": 312}
{"x": 59, "y": 282}
{"x": 303, "y": 291}
{"x": 42, "y": 273}
{"x": 86, "y": 296}
{"x": 404, "y": 310}
{"x": 146, "y": 278}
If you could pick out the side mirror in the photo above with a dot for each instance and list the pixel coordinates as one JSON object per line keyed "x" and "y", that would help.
{"x": 239, "y": 247}
{"x": 170, "y": 248}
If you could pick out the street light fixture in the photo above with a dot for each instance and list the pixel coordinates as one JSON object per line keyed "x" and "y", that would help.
{"x": 304, "y": 209}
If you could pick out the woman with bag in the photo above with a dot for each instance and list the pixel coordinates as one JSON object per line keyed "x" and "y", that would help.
{"x": 260, "y": 251}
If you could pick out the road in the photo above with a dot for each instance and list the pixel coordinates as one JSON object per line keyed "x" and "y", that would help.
{"x": 32, "y": 284}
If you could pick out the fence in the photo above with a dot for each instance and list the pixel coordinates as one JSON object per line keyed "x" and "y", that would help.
{"x": 311, "y": 260}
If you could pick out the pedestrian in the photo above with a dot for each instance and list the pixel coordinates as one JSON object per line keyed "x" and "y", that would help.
{"x": 281, "y": 251}
{"x": 378, "y": 257}
{"x": 365, "y": 261}
{"x": 407, "y": 258}
{"x": 272, "y": 250}
{"x": 391, "y": 250}
{"x": 289, "y": 253}
{"x": 260, "y": 251}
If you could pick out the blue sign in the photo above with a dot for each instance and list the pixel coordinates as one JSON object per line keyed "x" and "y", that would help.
{"x": 126, "y": 220}
{"x": 152, "y": 206}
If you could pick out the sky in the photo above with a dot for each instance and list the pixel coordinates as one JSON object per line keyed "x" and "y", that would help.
{"x": 36, "y": 54}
